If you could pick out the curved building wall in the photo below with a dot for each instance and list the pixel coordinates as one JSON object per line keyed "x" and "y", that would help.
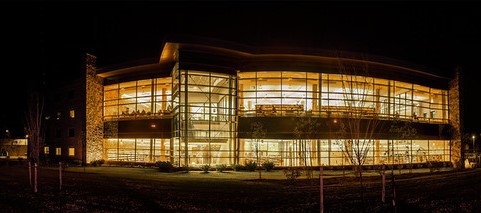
{"x": 208, "y": 107}
{"x": 204, "y": 116}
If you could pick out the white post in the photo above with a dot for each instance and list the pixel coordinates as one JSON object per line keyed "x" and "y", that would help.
{"x": 35, "y": 179}
{"x": 30, "y": 173}
{"x": 321, "y": 189}
{"x": 60, "y": 175}
{"x": 383, "y": 185}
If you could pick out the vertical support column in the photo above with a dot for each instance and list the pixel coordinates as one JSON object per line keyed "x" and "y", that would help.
{"x": 171, "y": 150}
{"x": 241, "y": 150}
{"x": 230, "y": 115}
{"x": 164, "y": 99}
{"x": 377, "y": 110}
{"x": 162, "y": 150}
{"x": 377, "y": 152}
{"x": 318, "y": 151}
{"x": 314, "y": 98}
{"x": 389, "y": 104}
{"x": 93, "y": 119}
{"x": 241, "y": 96}
{"x": 455, "y": 118}
{"x": 314, "y": 151}
{"x": 186, "y": 117}
{"x": 152, "y": 150}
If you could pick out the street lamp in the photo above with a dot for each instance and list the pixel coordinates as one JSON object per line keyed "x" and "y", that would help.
{"x": 473, "y": 137}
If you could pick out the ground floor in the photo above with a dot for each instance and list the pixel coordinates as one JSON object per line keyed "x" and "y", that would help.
{"x": 283, "y": 152}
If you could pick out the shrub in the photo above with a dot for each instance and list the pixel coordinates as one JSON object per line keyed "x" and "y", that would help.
{"x": 268, "y": 165}
{"x": 434, "y": 165}
{"x": 220, "y": 167}
{"x": 237, "y": 167}
{"x": 77, "y": 162}
{"x": 292, "y": 173}
{"x": 97, "y": 162}
{"x": 205, "y": 168}
{"x": 251, "y": 166}
{"x": 409, "y": 166}
{"x": 164, "y": 166}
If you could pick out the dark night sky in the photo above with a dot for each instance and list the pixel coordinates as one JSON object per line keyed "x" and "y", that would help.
{"x": 437, "y": 34}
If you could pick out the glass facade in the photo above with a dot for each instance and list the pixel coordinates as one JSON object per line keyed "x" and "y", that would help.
{"x": 204, "y": 122}
{"x": 205, "y": 106}
{"x": 329, "y": 153}
{"x": 138, "y": 99}
{"x": 316, "y": 94}
{"x": 137, "y": 149}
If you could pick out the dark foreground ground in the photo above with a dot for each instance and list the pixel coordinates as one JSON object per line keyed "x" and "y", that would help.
{"x": 116, "y": 189}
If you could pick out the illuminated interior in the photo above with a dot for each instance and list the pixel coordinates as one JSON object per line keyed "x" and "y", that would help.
{"x": 138, "y": 99}
{"x": 315, "y": 94}
{"x": 204, "y": 107}
{"x": 137, "y": 149}
{"x": 328, "y": 152}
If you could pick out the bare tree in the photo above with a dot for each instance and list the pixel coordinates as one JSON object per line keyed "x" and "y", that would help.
{"x": 258, "y": 133}
{"x": 33, "y": 125}
{"x": 360, "y": 115}
{"x": 402, "y": 132}
{"x": 305, "y": 129}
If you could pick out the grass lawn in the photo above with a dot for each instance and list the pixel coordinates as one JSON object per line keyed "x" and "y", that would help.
{"x": 118, "y": 189}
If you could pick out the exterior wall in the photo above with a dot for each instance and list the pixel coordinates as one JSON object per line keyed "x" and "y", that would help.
{"x": 94, "y": 123}
{"x": 200, "y": 134}
{"x": 64, "y": 130}
{"x": 197, "y": 116}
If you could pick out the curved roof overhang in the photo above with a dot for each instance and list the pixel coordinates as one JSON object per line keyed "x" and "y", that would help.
{"x": 220, "y": 56}
{"x": 212, "y": 54}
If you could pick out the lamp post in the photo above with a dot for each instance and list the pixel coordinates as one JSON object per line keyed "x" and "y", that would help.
{"x": 473, "y": 137}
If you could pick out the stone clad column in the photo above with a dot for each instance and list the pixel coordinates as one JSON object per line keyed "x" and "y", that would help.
{"x": 93, "y": 123}
{"x": 455, "y": 118}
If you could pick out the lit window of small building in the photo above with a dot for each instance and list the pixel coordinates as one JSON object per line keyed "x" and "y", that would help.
{"x": 46, "y": 150}
{"x": 71, "y": 151}
{"x": 72, "y": 113}
{"x": 58, "y": 151}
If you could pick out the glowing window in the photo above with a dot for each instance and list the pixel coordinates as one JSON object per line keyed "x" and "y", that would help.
{"x": 46, "y": 150}
{"x": 72, "y": 113}
{"x": 58, "y": 151}
{"x": 71, "y": 151}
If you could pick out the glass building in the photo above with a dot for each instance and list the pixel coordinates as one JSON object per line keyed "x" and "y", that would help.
{"x": 213, "y": 102}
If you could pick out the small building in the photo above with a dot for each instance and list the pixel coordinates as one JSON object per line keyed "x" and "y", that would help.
{"x": 13, "y": 148}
